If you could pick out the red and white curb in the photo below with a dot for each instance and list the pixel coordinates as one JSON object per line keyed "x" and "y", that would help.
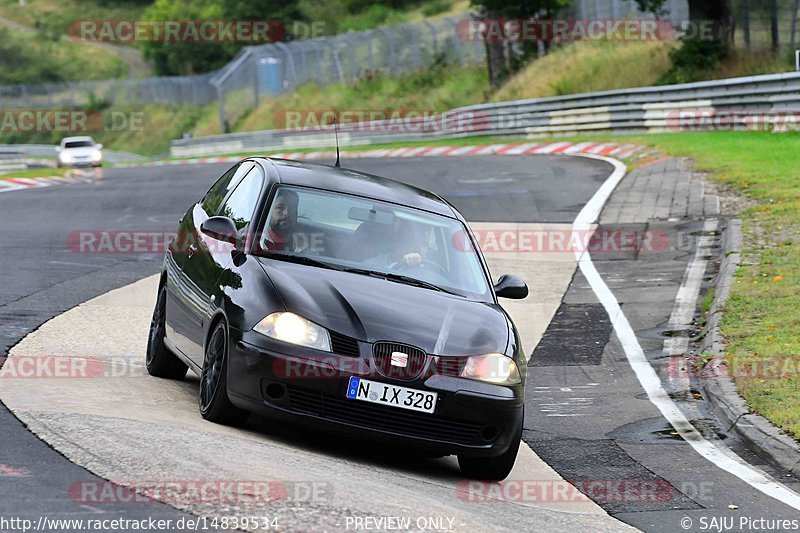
{"x": 619, "y": 151}
{"x": 16, "y": 184}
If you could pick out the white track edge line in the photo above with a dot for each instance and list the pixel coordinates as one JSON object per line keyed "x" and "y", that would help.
{"x": 720, "y": 456}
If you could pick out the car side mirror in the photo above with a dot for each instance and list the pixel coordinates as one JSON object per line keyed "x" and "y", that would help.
{"x": 98, "y": 146}
{"x": 512, "y": 287}
{"x": 58, "y": 148}
{"x": 220, "y": 228}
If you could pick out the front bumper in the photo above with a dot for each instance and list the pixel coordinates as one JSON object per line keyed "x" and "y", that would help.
{"x": 308, "y": 386}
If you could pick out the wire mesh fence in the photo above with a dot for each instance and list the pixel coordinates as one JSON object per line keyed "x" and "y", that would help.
{"x": 263, "y": 71}
{"x": 271, "y": 69}
{"x": 257, "y": 72}
{"x": 758, "y": 25}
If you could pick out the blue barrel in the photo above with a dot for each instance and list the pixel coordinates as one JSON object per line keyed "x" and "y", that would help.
{"x": 270, "y": 75}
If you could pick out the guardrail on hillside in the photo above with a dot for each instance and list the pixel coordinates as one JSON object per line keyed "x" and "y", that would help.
{"x": 731, "y": 103}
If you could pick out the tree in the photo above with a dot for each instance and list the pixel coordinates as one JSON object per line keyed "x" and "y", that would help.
{"x": 194, "y": 57}
{"x": 708, "y": 41}
{"x": 716, "y": 12}
{"x": 499, "y": 53}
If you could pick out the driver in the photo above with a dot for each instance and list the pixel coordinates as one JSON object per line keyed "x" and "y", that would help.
{"x": 408, "y": 245}
{"x": 282, "y": 222}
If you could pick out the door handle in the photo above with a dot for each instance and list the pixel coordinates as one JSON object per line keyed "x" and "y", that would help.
{"x": 192, "y": 250}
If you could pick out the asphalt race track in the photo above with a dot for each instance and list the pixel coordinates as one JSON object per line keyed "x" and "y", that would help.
{"x": 613, "y": 437}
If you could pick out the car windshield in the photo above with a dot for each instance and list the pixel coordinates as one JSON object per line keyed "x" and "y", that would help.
{"x": 368, "y": 236}
{"x": 78, "y": 144}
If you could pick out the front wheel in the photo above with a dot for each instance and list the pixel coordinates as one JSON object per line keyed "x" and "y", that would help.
{"x": 215, "y": 406}
{"x": 161, "y": 362}
{"x": 492, "y": 468}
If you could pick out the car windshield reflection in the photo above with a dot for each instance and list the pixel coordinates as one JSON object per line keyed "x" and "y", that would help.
{"x": 354, "y": 233}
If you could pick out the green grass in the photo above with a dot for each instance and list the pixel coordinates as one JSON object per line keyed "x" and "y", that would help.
{"x": 142, "y": 129}
{"x": 438, "y": 88}
{"x": 55, "y": 17}
{"x": 761, "y": 320}
{"x": 706, "y": 301}
{"x": 29, "y": 58}
{"x": 342, "y": 16}
{"x": 588, "y": 66}
{"x": 35, "y": 172}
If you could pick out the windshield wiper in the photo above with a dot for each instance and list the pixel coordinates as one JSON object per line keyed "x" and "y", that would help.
{"x": 301, "y": 259}
{"x": 399, "y": 278}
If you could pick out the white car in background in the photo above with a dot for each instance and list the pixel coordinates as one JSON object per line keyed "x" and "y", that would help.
{"x": 79, "y": 152}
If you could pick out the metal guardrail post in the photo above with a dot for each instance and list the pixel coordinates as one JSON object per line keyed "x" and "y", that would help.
{"x": 391, "y": 49}
{"x": 434, "y": 36}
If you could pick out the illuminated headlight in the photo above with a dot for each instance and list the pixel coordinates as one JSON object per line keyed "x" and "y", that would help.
{"x": 493, "y": 368}
{"x": 65, "y": 157}
{"x": 294, "y": 329}
{"x": 96, "y": 155}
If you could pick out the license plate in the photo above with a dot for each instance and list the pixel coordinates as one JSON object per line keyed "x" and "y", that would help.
{"x": 383, "y": 393}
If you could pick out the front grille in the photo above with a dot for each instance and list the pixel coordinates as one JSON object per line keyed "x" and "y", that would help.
{"x": 344, "y": 345}
{"x": 414, "y": 360}
{"x": 392, "y": 419}
{"x": 450, "y": 366}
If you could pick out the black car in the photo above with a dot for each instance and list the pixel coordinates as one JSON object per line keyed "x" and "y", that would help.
{"x": 346, "y": 301}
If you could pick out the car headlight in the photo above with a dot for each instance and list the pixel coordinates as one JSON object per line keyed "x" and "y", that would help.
{"x": 65, "y": 157}
{"x": 493, "y": 368}
{"x": 294, "y": 329}
{"x": 96, "y": 155}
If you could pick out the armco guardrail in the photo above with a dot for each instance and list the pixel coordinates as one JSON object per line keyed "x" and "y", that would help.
{"x": 11, "y": 159}
{"x": 48, "y": 151}
{"x": 730, "y": 102}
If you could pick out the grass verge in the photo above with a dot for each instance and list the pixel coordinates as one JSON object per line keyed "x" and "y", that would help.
{"x": 29, "y": 57}
{"x": 34, "y": 173}
{"x": 761, "y": 320}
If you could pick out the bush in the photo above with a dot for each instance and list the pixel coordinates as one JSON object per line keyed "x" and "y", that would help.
{"x": 694, "y": 60}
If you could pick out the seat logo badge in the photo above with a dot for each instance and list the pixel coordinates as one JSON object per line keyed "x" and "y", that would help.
{"x": 399, "y": 359}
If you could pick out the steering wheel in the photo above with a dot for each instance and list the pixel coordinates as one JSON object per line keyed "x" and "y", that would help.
{"x": 425, "y": 263}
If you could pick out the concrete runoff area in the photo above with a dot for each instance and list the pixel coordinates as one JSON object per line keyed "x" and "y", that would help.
{"x": 125, "y": 425}
{"x": 546, "y": 189}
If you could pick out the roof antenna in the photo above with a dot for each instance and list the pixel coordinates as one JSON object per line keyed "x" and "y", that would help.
{"x": 336, "y": 133}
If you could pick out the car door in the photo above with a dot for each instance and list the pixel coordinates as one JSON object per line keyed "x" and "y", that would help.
{"x": 182, "y": 295}
{"x": 204, "y": 267}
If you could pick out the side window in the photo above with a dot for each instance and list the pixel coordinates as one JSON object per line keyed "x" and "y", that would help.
{"x": 242, "y": 202}
{"x": 213, "y": 198}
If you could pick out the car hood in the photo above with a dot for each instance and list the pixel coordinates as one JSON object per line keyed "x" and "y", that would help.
{"x": 374, "y": 309}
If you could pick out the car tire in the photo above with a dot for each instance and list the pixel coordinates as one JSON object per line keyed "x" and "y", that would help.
{"x": 215, "y": 406}
{"x": 159, "y": 360}
{"x": 492, "y": 468}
